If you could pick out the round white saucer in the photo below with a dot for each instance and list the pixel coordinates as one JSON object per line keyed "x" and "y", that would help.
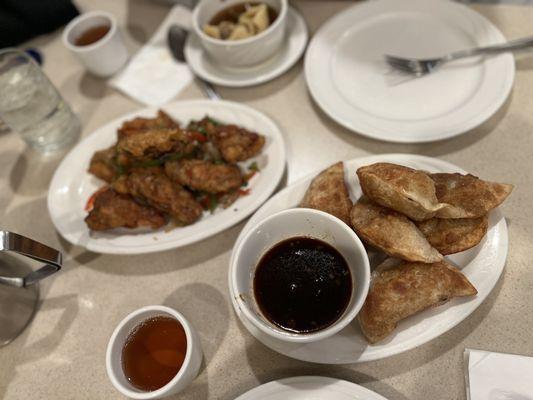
{"x": 292, "y": 50}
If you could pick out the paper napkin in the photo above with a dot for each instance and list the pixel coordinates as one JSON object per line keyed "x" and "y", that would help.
{"x": 152, "y": 76}
{"x": 498, "y": 376}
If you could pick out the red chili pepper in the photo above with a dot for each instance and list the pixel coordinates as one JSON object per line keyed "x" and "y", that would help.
{"x": 197, "y": 136}
{"x": 90, "y": 203}
{"x": 244, "y": 192}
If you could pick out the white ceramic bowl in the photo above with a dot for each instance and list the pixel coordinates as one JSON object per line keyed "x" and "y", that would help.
{"x": 284, "y": 225}
{"x": 103, "y": 57}
{"x": 245, "y": 52}
{"x": 187, "y": 373}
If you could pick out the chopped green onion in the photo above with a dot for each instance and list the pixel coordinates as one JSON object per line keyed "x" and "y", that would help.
{"x": 213, "y": 203}
{"x": 253, "y": 167}
{"x": 214, "y": 122}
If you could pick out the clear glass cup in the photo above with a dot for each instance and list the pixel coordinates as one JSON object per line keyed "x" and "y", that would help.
{"x": 31, "y": 106}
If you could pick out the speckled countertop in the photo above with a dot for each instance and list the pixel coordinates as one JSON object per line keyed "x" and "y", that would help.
{"x": 61, "y": 354}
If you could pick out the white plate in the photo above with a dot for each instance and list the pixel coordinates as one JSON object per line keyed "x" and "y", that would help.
{"x": 349, "y": 79}
{"x": 482, "y": 265}
{"x": 310, "y": 388}
{"x": 291, "y": 52}
{"x": 72, "y": 185}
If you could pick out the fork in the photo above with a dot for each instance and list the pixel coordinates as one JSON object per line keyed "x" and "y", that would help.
{"x": 423, "y": 66}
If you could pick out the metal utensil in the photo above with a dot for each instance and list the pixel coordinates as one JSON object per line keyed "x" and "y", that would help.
{"x": 176, "y": 39}
{"x": 423, "y": 66}
{"x": 18, "y": 290}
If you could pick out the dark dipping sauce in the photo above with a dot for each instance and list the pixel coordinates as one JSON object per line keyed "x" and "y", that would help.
{"x": 302, "y": 285}
{"x": 154, "y": 353}
{"x": 92, "y": 35}
{"x": 233, "y": 12}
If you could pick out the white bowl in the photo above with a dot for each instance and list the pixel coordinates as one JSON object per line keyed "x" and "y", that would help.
{"x": 245, "y": 52}
{"x": 104, "y": 57}
{"x": 284, "y": 225}
{"x": 186, "y": 374}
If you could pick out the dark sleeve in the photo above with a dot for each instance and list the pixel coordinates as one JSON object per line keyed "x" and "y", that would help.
{"x": 21, "y": 20}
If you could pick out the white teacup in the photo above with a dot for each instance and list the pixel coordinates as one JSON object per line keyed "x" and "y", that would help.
{"x": 297, "y": 222}
{"x": 245, "y": 52}
{"x": 103, "y": 57}
{"x": 186, "y": 374}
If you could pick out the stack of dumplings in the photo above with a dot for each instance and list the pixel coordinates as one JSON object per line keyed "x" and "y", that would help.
{"x": 416, "y": 218}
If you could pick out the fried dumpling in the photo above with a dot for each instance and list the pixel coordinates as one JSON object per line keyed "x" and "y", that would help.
{"x": 406, "y": 289}
{"x": 403, "y": 189}
{"x": 467, "y": 196}
{"x": 391, "y": 232}
{"x": 451, "y": 236}
{"x": 328, "y": 192}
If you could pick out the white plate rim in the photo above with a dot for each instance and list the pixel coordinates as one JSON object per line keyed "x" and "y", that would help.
{"x": 277, "y": 174}
{"x": 358, "y": 126}
{"x": 472, "y": 304}
{"x": 194, "y": 52}
{"x": 275, "y": 387}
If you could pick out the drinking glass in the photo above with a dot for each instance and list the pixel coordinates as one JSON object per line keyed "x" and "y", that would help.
{"x": 31, "y": 106}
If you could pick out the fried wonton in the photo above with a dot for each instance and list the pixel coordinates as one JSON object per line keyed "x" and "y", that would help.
{"x": 451, "y": 236}
{"x": 391, "y": 232}
{"x": 406, "y": 289}
{"x": 467, "y": 196}
{"x": 403, "y": 189}
{"x": 328, "y": 192}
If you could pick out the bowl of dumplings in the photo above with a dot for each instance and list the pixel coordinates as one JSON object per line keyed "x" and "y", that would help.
{"x": 240, "y": 34}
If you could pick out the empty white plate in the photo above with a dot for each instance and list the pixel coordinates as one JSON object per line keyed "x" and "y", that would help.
{"x": 310, "y": 388}
{"x": 349, "y": 79}
{"x": 290, "y": 53}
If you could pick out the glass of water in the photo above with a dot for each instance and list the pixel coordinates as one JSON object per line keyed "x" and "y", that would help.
{"x": 31, "y": 106}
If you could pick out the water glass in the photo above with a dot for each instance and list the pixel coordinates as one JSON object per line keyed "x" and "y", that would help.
{"x": 31, "y": 106}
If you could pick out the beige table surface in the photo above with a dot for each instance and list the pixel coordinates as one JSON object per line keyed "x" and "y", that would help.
{"x": 61, "y": 354}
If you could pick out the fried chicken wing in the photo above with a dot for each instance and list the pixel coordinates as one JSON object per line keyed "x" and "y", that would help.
{"x": 237, "y": 144}
{"x": 136, "y": 125}
{"x": 204, "y": 175}
{"x": 114, "y": 210}
{"x": 102, "y": 164}
{"x": 152, "y": 186}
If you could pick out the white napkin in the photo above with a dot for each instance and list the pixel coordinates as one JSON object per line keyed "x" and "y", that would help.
{"x": 152, "y": 76}
{"x": 499, "y": 376}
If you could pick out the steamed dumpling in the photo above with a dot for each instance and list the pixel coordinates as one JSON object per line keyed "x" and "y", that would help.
{"x": 406, "y": 289}
{"x": 400, "y": 188}
{"x": 391, "y": 232}
{"x": 257, "y": 16}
